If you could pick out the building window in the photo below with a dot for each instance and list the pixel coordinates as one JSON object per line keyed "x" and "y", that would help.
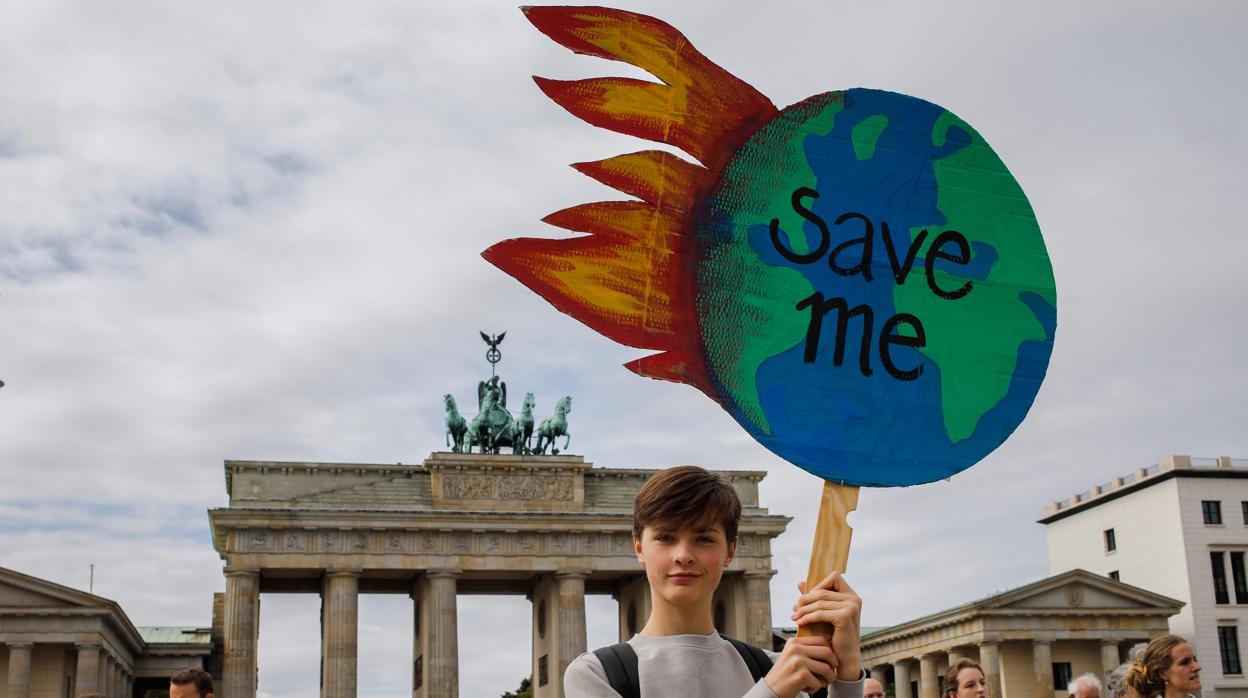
{"x": 1212, "y": 511}
{"x": 1061, "y": 674}
{"x": 1244, "y": 507}
{"x": 1219, "y": 577}
{"x": 1114, "y": 576}
{"x": 1238, "y": 578}
{"x": 1228, "y": 644}
{"x": 1111, "y": 542}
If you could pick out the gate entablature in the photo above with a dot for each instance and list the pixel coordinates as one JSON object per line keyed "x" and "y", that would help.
{"x": 536, "y": 513}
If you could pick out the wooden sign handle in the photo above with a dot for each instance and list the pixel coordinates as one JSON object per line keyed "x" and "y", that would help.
{"x": 830, "y": 551}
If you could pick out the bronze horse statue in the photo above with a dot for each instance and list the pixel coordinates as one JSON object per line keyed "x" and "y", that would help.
{"x": 456, "y": 426}
{"x": 554, "y": 427}
{"x": 525, "y": 422}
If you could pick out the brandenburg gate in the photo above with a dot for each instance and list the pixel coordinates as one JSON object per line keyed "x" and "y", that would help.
{"x": 551, "y": 527}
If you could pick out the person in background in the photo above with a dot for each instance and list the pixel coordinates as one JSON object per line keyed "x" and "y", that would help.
{"x": 872, "y": 689}
{"x": 1116, "y": 683}
{"x": 190, "y": 683}
{"x": 1167, "y": 669}
{"x": 964, "y": 679}
{"x": 1085, "y": 686}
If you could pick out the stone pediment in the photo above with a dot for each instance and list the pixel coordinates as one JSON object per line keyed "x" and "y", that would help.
{"x": 1078, "y": 590}
{"x": 18, "y": 590}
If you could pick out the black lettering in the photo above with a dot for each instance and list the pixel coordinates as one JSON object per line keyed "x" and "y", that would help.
{"x": 820, "y": 307}
{"x": 962, "y": 257}
{"x": 809, "y": 215}
{"x": 889, "y": 337}
{"x": 864, "y": 265}
{"x": 902, "y": 270}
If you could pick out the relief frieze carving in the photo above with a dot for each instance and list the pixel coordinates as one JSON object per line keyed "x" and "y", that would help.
{"x": 468, "y": 487}
{"x": 327, "y": 541}
{"x": 259, "y": 540}
{"x": 515, "y": 487}
{"x": 531, "y": 487}
{"x": 428, "y": 543}
{"x": 557, "y": 543}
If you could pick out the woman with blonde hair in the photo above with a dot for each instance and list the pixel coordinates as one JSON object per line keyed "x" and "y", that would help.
{"x": 1167, "y": 669}
{"x": 964, "y": 679}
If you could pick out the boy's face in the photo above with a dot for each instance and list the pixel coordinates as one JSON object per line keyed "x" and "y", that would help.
{"x": 684, "y": 565}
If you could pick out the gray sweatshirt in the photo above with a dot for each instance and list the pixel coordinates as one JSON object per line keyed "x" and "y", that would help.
{"x": 683, "y": 666}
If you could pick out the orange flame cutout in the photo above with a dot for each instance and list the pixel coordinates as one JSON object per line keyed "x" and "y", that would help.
{"x": 628, "y": 278}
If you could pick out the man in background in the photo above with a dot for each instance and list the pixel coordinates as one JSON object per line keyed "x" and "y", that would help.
{"x": 190, "y": 683}
{"x": 1085, "y": 686}
{"x": 872, "y": 689}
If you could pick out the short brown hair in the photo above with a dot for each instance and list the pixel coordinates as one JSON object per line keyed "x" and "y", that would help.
{"x": 1146, "y": 673}
{"x": 198, "y": 677}
{"x": 687, "y": 497}
{"x": 951, "y": 675}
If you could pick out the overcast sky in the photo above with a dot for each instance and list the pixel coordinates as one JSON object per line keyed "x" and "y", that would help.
{"x": 252, "y": 230}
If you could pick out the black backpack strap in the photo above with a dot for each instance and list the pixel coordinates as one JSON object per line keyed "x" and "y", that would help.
{"x": 757, "y": 660}
{"x": 619, "y": 661}
{"x": 759, "y": 663}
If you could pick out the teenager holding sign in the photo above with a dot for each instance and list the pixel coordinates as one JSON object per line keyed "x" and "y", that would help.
{"x": 685, "y": 535}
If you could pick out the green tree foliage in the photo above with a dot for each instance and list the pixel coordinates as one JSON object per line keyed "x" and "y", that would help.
{"x": 525, "y": 690}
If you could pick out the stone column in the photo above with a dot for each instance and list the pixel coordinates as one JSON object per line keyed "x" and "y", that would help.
{"x": 88, "y": 671}
{"x": 929, "y": 686}
{"x": 19, "y": 669}
{"x": 1042, "y": 663}
{"x": 442, "y": 661}
{"x": 110, "y": 678}
{"x": 990, "y": 661}
{"x": 1110, "y": 659}
{"x": 545, "y": 637}
{"x": 101, "y": 675}
{"x": 571, "y": 630}
{"x": 955, "y": 655}
{"x": 758, "y": 607}
{"x": 634, "y": 598}
{"x": 729, "y": 606}
{"x": 901, "y": 680}
{"x": 418, "y": 639}
{"x": 242, "y": 616}
{"x": 880, "y": 673}
{"x": 339, "y": 633}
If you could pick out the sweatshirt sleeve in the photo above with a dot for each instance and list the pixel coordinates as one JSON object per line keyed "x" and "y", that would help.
{"x": 847, "y": 689}
{"x": 839, "y": 689}
{"x": 585, "y": 678}
{"x": 761, "y": 690}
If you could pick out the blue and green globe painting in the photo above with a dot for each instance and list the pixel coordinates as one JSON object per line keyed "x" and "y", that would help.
{"x": 873, "y": 294}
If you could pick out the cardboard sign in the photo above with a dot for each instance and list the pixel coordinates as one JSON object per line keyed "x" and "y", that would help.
{"x": 857, "y": 278}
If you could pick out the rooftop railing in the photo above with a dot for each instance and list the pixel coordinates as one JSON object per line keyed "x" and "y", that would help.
{"x": 1141, "y": 474}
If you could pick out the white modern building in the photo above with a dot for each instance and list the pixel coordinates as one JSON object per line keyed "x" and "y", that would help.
{"x": 1180, "y": 529}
